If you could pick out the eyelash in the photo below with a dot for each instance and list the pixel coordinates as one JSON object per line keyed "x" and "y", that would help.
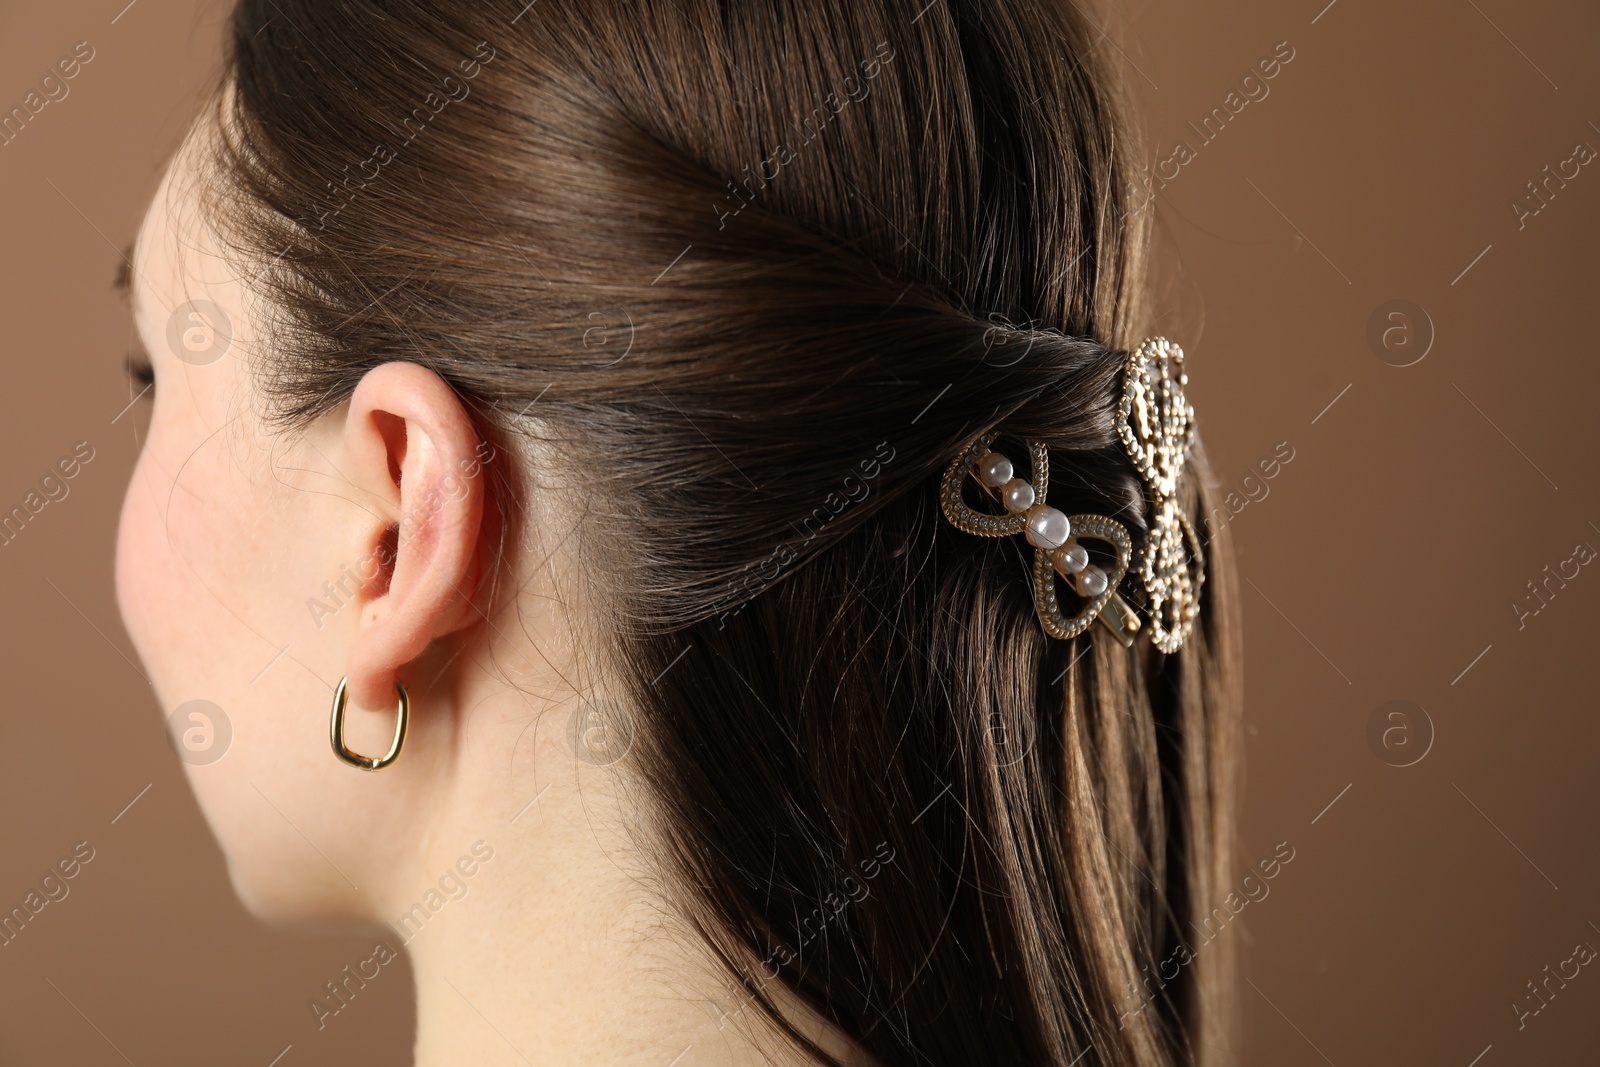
{"x": 140, "y": 371}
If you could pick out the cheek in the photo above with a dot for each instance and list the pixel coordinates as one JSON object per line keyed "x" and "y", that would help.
{"x": 193, "y": 560}
{"x": 147, "y": 592}
{"x": 179, "y": 626}
{"x": 173, "y": 574}
{"x": 180, "y": 579}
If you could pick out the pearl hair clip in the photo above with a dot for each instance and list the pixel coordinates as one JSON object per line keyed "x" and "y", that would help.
{"x": 1156, "y": 424}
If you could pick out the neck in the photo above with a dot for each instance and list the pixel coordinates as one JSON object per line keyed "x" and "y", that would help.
{"x": 537, "y": 933}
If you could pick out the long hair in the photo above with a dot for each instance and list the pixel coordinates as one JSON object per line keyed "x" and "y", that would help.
{"x": 753, "y": 273}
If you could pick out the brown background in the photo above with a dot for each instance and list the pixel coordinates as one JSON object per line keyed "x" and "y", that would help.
{"x": 1381, "y": 565}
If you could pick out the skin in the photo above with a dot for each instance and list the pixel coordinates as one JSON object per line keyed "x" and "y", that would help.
{"x": 228, "y": 529}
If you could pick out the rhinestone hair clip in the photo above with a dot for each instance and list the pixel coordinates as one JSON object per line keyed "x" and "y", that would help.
{"x": 1156, "y": 424}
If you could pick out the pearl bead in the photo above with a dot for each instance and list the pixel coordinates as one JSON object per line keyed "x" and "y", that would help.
{"x": 1017, "y": 494}
{"x": 1092, "y": 581}
{"x": 1071, "y": 558}
{"x": 994, "y": 469}
{"x": 1047, "y": 527}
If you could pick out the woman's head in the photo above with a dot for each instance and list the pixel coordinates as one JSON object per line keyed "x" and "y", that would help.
{"x": 590, "y": 369}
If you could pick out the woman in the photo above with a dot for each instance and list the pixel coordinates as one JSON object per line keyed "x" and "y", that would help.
{"x": 581, "y": 416}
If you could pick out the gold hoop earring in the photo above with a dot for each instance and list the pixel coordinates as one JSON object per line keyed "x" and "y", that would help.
{"x": 369, "y": 763}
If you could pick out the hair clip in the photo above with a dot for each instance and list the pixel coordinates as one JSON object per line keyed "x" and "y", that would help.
{"x": 1056, "y": 537}
{"x": 1156, "y": 424}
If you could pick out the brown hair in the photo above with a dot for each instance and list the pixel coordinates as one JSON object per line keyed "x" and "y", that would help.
{"x": 802, "y": 231}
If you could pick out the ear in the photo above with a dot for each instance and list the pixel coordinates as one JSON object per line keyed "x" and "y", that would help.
{"x": 411, "y": 447}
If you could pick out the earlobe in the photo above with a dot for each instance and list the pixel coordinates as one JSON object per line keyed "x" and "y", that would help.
{"x": 408, "y": 442}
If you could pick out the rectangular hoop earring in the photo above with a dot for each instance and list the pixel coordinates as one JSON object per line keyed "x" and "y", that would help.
{"x": 369, "y": 763}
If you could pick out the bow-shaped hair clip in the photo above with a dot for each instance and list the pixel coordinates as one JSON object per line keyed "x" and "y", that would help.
{"x": 1156, "y": 424}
